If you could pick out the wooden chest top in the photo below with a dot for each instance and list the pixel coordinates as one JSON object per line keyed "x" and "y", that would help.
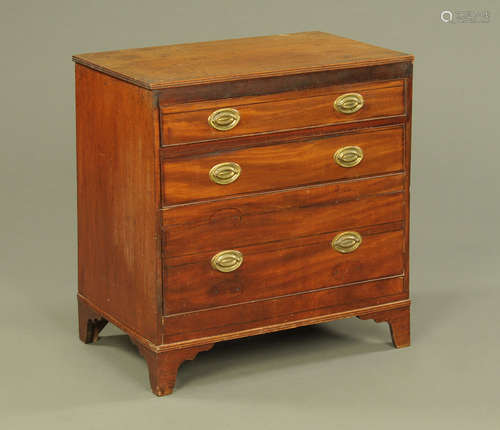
{"x": 236, "y": 59}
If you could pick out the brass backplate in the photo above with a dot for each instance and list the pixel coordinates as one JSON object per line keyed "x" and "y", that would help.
{"x": 225, "y": 173}
{"x": 227, "y": 261}
{"x": 224, "y": 119}
{"x": 348, "y": 156}
{"x": 348, "y": 103}
{"x": 347, "y": 241}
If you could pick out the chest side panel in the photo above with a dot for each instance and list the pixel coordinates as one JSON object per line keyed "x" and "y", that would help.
{"x": 118, "y": 199}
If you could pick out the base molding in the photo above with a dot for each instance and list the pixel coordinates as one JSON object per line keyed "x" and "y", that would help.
{"x": 401, "y": 304}
{"x": 164, "y": 360}
{"x": 88, "y": 306}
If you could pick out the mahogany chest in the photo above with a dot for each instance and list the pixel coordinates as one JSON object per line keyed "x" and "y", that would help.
{"x": 238, "y": 187}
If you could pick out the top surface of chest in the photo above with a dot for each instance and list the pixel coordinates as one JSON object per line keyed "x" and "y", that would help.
{"x": 236, "y": 59}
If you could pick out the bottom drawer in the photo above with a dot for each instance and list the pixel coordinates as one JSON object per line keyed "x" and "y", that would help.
{"x": 263, "y": 316}
{"x": 276, "y": 269}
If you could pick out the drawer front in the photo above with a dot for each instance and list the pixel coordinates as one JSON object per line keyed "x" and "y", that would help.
{"x": 368, "y": 152}
{"x": 225, "y": 224}
{"x": 275, "y": 269}
{"x": 320, "y": 304}
{"x": 230, "y": 118}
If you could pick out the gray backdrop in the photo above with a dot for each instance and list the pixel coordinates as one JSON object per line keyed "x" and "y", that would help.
{"x": 343, "y": 373}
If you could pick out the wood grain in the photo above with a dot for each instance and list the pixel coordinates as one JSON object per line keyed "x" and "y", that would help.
{"x": 118, "y": 199}
{"x": 275, "y": 216}
{"x": 287, "y": 111}
{"x": 217, "y": 323}
{"x": 283, "y": 165}
{"x": 280, "y": 268}
{"x": 246, "y": 58}
{"x": 286, "y": 136}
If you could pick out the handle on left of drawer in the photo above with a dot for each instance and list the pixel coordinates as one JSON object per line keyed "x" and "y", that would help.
{"x": 225, "y": 173}
{"x": 227, "y": 261}
{"x": 224, "y": 119}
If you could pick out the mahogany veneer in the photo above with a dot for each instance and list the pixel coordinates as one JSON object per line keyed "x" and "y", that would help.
{"x": 238, "y": 187}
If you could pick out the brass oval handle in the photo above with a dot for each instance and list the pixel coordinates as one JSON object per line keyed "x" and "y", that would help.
{"x": 225, "y": 173}
{"x": 348, "y": 156}
{"x": 346, "y": 242}
{"x": 227, "y": 261}
{"x": 348, "y": 103}
{"x": 224, "y": 119}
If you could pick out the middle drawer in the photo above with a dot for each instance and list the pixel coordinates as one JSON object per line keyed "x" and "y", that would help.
{"x": 273, "y": 167}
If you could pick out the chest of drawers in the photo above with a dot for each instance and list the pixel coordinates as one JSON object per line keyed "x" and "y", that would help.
{"x": 232, "y": 188}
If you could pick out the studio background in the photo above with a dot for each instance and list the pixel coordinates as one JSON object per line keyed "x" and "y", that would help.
{"x": 342, "y": 374}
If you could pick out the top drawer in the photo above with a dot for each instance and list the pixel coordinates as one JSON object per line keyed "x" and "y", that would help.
{"x": 222, "y": 119}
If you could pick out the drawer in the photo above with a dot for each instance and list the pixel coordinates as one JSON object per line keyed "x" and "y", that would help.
{"x": 280, "y": 166}
{"x": 279, "y": 268}
{"x": 229, "y": 118}
{"x": 317, "y": 304}
{"x": 225, "y": 224}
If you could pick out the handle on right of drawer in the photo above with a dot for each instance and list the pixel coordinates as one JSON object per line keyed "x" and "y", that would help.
{"x": 347, "y": 241}
{"x": 349, "y": 103}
